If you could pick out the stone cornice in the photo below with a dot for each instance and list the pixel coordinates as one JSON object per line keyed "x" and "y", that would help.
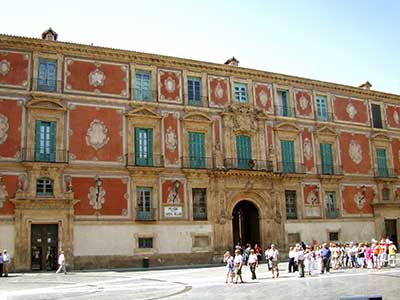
{"x": 104, "y": 53}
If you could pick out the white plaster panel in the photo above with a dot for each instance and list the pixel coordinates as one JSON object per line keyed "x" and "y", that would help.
{"x": 119, "y": 239}
{"x": 7, "y": 238}
{"x": 348, "y": 231}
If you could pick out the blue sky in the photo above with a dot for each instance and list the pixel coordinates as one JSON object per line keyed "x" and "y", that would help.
{"x": 345, "y": 42}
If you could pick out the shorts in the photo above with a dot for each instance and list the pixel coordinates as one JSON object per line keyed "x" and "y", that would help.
{"x": 238, "y": 271}
{"x": 274, "y": 264}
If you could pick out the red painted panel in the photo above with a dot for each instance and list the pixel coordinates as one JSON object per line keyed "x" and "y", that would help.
{"x": 393, "y": 116}
{"x": 171, "y": 139}
{"x": 217, "y": 133}
{"x": 10, "y": 183}
{"x": 80, "y": 120}
{"x": 170, "y": 86}
{"x": 218, "y": 91}
{"x": 115, "y": 203}
{"x": 396, "y": 155}
{"x": 308, "y": 152}
{"x": 169, "y": 189}
{"x": 10, "y": 139}
{"x": 14, "y": 69}
{"x": 112, "y": 79}
{"x": 304, "y": 104}
{"x": 344, "y": 112}
{"x": 357, "y": 201}
{"x": 312, "y": 191}
{"x": 359, "y": 143}
{"x": 263, "y": 96}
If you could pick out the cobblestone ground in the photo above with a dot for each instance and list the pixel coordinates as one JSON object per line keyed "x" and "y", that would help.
{"x": 199, "y": 283}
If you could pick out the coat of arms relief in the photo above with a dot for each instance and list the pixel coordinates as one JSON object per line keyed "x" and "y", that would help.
{"x": 96, "y": 197}
{"x": 97, "y": 135}
{"x": 243, "y": 118}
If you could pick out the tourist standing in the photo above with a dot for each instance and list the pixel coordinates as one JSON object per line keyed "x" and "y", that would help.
{"x": 392, "y": 254}
{"x": 6, "y": 261}
{"x": 308, "y": 260}
{"x": 274, "y": 258}
{"x": 61, "y": 263}
{"x": 291, "y": 266}
{"x": 1, "y": 264}
{"x": 368, "y": 256}
{"x": 228, "y": 259}
{"x": 237, "y": 266}
{"x": 326, "y": 258}
{"x": 299, "y": 259}
{"x": 267, "y": 259}
{"x": 253, "y": 263}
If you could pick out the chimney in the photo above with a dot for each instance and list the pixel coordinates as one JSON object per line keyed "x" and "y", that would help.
{"x": 49, "y": 35}
{"x": 232, "y": 62}
{"x": 366, "y": 86}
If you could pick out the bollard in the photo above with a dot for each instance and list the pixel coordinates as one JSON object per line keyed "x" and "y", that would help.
{"x": 146, "y": 262}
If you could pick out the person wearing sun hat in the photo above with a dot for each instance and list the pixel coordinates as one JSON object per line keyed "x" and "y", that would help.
{"x": 392, "y": 254}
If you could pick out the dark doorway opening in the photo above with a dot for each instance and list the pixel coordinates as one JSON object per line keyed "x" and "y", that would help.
{"x": 245, "y": 222}
{"x": 391, "y": 231}
{"x": 44, "y": 244}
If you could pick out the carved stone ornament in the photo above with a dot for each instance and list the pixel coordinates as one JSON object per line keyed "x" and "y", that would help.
{"x": 173, "y": 196}
{"x": 5, "y": 67}
{"x": 3, "y": 193}
{"x": 97, "y": 135}
{"x": 360, "y": 200}
{"x": 169, "y": 84}
{"x": 303, "y": 102}
{"x": 351, "y": 110}
{"x": 312, "y": 198}
{"x": 96, "y": 198}
{"x": 97, "y": 78}
{"x": 396, "y": 117}
{"x": 219, "y": 91}
{"x": 243, "y": 118}
{"x": 170, "y": 139}
{"x": 263, "y": 97}
{"x": 3, "y": 128}
{"x": 355, "y": 152}
{"x": 307, "y": 149}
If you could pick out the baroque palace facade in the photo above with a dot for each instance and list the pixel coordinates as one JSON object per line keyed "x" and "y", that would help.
{"x": 116, "y": 155}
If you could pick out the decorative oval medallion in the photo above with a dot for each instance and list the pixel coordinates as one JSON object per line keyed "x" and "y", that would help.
{"x": 360, "y": 200}
{"x": 170, "y": 84}
{"x": 396, "y": 117}
{"x": 170, "y": 139}
{"x": 263, "y": 97}
{"x": 303, "y": 102}
{"x": 5, "y": 67}
{"x": 307, "y": 149}
{"x": 3, "y": 128}
{"x": 351, "y": 110}
{"x": 219, "y": 91}
{"x": 97, "y": 135}
{"x": 312, "y": 198}
{"x": 355, "y": 152}
{"x": 97, "y": 78}
{"x": 96, "y": 197}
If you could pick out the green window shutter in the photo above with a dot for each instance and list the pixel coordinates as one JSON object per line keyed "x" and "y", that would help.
{"x": 322, "y": 114}
{"x": 37, "y": 140}
{"x": 331, "y": 204}
{"x": 381, "y": 160}
{"x": 47, "y": 75}
{"x": 196, "y": 150}
{"x": 326, "y": 158}
{"x": 243, "y": 150}
{"x": 53, "y": 141}
{"x": 288, "y": 161}
{"x": 144, "y": 146}
{"x": 150, "y": 146}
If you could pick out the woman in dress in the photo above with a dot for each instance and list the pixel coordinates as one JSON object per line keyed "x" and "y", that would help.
{"x": 228, "y": 259}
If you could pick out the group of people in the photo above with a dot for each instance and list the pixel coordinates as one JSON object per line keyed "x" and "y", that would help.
{"x": 306, "y": 259}
{"x": 4, "y": 262}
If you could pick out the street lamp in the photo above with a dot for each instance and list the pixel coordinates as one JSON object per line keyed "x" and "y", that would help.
{"x": 99, "y": 182}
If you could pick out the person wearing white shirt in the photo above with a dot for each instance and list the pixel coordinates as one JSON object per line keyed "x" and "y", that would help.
{"x": 275, "y": 258}
{"x": 6, "y": 261}
{"x": 61, "y": 263}
{"x": 299, "y": 259}
{"x": 237, "y": 266}
{"x": 253, "y": 263}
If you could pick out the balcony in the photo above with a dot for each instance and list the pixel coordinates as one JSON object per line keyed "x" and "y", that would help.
{"x": 44, "y": 155}
{"x": 332, "y": 213}
{"x": 47, "y": 85}
{"x": 285, "y": 111}
{"x": 248, "y": 164}
{"x": 329, "y": 170}
{"x": 191, "y": 162}
{"x": 155, "y": 160}
{"x": 327, "y": 117}
{"x": 380, "y": 173}
{"x": 145, "y": 215}
{"x": 290, "y": 168}
{"x": 144, "y": 95}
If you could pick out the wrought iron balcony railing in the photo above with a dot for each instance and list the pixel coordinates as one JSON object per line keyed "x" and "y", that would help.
{"x": 248, "y": 164}
{"x": 285, "y": 111}
{"x": 44, "y": 155}
{"x": 385, "y": 173}
{"x": 325, "y": 117}
{"x": 144, "y": 95}
{"x": 155, "y": 160}
{"x": 329, "y": 170}
{"x": 291, "y": 168}
{"x": 145, "y": 215}
{"x": 191, "y": 162}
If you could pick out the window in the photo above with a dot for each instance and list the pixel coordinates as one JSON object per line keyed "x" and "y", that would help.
{"x": 145, "y": 243}
{"x": 381, "y": 161}
{"x": 376, "y": 115}
{"x": 386, "y": 194}
{"x": 288, "y": 159}
{"x": 243, "y": 149}
{"x": 144, "y": 204}
{"x": 45, "y": 141}
{"x": 283, "y": 103}
{"x": 241, "y": 92}
{"x": 199, "y": 204}
{"x": 291, "y": 206}
{"x": 333, "y": 236}
{"x": 143, "y": 146}
{"x": 44, "y": 187}
{"x": 143, "y": 86}
{"x": 194, "y": 91}
{"x": 331, "y": 205}
{"x": 47, "y": 75}
{"x": 196, "y": 150}
{"x": 322, "y": 114}
{"x": 326, "y": 159}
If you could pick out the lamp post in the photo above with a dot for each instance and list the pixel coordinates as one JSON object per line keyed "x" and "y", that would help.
{"x": 99, "y": 182}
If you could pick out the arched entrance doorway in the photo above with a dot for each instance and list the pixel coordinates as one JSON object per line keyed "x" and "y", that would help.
{"x": 245, "y": 222}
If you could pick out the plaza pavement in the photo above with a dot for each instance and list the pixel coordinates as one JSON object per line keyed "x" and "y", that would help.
{"x": 198, "y": 283}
